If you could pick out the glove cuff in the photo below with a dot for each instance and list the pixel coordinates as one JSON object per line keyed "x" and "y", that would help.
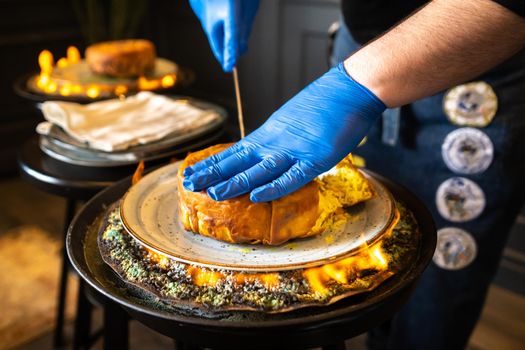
{"x": 377, "y": 100}
{"x": 367, "y": 98}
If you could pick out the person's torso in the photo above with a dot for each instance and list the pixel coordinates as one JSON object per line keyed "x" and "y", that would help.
{"x": 367, "y": 19}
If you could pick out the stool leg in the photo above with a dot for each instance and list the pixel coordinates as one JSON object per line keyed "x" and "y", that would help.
{"x": 179, "y": 345}
{"x": 58, "y": 337}
{"x": 115, "y": 327}
{"x": 83, "y": 319}
{"x": 337, "y": 346}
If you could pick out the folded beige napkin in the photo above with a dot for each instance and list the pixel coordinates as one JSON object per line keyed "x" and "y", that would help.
{"x": 119, "y": 124}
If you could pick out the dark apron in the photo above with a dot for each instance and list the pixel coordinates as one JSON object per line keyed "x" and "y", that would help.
{"x": 447, "y": 302}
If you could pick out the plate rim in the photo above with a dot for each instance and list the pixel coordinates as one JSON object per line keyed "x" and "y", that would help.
{"x": 109, "y": 163}
{"x": 261, "y": 268}
{"x": 170, "y": 140}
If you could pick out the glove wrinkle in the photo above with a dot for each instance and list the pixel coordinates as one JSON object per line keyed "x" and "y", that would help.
{"x": 266, "y": 170}
{"x": 237, "y": 148}
{"x": 222, "y": 170}
{"x": 293, "y": 179}
{"x": 227, "y": 24}
{"x": 217, "y": 46}
{"x": 230, "y": 44}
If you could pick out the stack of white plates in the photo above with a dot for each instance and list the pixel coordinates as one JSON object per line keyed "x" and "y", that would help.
{"x": 58, "y": 144}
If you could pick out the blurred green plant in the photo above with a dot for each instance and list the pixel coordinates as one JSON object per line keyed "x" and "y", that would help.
{"x": 102, "y": 20}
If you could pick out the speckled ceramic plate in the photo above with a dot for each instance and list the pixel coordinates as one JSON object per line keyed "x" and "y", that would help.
{"x": 150, "y": 214}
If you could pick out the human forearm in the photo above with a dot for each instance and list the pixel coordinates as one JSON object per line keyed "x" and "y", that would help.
{"x": 445, "y": 43}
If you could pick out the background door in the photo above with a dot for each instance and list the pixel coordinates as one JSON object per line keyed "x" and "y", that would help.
{"x": 287, "y": 50}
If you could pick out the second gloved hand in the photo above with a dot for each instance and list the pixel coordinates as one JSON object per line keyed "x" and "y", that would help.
{"x": 227, "y": 24}
{"x": 307, "y": 136}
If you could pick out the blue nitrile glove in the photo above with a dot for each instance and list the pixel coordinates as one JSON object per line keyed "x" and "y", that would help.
{"x": 227, "y": 23}
{"x": 307, "y": 136}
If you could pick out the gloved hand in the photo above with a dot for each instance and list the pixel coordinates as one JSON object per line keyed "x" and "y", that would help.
{"x": 307, "y": 136}
{"x": 227, "y": 24}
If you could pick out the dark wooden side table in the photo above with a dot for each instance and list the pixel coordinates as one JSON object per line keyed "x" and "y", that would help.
{"x": 327, "y": 326}
{"x": 77, "y": 184}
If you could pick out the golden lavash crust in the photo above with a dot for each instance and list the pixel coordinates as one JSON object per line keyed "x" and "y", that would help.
{"x": 121, "y": 58}
{"x": 238, "y": 220}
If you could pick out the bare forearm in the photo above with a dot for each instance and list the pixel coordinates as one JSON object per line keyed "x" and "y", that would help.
{"x": 445, "y": 43}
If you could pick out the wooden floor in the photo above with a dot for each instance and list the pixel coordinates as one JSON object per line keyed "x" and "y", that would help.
{"x": 501, "y": 327}
{"x": 502, "y": 324}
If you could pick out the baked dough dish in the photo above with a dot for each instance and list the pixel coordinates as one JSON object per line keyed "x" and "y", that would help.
{"x": 121, "y": 58}
{"x": 306, "y": 212}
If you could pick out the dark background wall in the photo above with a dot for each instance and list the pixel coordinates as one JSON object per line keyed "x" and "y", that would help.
{"x": 26, "y": 28}
{"x": 288, "y": 49}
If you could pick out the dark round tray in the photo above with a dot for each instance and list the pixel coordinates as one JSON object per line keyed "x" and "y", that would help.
{"x": 82, "y": 182}
{"x": 22, "y": 90}
{"x": 309, "y": 327}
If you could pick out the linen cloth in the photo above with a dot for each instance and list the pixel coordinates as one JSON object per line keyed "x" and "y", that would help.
{"x": 116, "y": 125}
